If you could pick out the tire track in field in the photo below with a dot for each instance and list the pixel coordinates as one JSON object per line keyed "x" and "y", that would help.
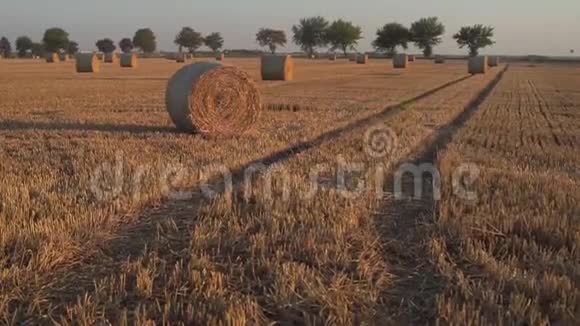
{"x": 70, "y": 283}
{"x": 404, "y": 226}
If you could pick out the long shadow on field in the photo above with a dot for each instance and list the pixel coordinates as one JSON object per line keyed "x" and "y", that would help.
{"x": 405, "y": 227}
{"x": 134, "y": 238}
{"x": 12, "y": 125}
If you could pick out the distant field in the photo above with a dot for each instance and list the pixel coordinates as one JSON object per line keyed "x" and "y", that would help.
{"x": 129, "y": 247}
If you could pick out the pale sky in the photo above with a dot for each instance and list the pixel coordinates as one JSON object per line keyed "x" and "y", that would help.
{"x": 522, "y": 26}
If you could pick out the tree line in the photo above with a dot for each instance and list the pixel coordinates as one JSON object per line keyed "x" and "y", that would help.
{"x": 309, "y": 34}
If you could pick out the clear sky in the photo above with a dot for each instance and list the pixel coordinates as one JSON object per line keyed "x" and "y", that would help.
{"x": 522, "y": 26}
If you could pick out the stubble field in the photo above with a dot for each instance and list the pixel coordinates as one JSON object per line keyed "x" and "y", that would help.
{"x": 105, "y": 214}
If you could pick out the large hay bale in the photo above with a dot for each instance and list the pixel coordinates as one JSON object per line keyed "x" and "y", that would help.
{"x": 128, "y": 60}
{"x": 277, "y": 67}
{"x": 478, "y": 65}
{"x": 439, "y": 59}
{"x": 412, "y": 58}
{"x": 180, "y": 57}
{"x": 210, "y": 98}
{"x": 493, "y": 61}
{"x": 87, "y": 62}
{"x": 220, "y": 57}
{"x": 52, "y": 57}
{"x": 110, "y": 57}
{"x": 400, "y": 61}
{"x": 63, "y": 57}
{"x": 362, "y": 59}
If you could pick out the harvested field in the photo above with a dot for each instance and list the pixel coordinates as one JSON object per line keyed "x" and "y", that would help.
{"x": 105, "y": 214}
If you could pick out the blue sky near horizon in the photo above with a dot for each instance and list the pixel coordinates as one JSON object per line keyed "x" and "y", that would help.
{"x": 522, "y": 26}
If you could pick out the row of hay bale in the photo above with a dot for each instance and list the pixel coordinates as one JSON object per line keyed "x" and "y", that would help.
{"x": 89, "y": 62}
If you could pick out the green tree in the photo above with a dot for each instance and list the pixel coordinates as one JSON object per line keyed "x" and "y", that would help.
{"x": 390, "y": 36}
{"x": 106, "y": 45}
{"x": 310, "y": 33}
{"x": 23, "y": 45}
{"x": 343, "y": 35}
{"x": 188, "y": 38}
{"x": 145, "y": 40}
{"x": 474, "y": 37}
{"x": 214, "y": 41}
{"x": 37, "y": 49}
{"x": 72, "y": 48}
{"x": 426, "y": 33}
{"x": 271, "y": 38}
{"x": 5, "y": 47}
{"x": 126, "y": 45}
{"x": 55, "y": 39}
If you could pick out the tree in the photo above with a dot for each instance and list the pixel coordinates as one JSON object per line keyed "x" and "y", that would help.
{"x": 214, "y": 41}
{"x": 390, "y": 36}
{"x": 72, "y": 48}
{"x": 144, "y": 39}
{"x": 474, "y": 37}
{"x": 343, "y": 35}
{"x": 106, "y": 45}
{"x": 55, "y": 39}
{"x": 37, "y": 49}
{"x": 23, "y": 44}
{"x": 5, "y": 47}
{"x": 126, "y": 45}
{"x": 271, "y": 38}
{"x": 310, "y": 33}
{"x": 188, "y": 38}
{"x": 426, "y": 33}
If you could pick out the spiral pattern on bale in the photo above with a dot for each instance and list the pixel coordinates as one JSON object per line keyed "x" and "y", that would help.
{"x": 212, "y": 99}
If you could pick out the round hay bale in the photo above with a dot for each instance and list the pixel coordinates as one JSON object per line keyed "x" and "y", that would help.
{"x": 332, "y": 57}
{"x": 110, "y": 57}
{"x": 63, "y": 57}
{"x": 412, "y": 58}
{"x": 277, "y": 67}
{"x": 180, "y": 57}
{"x": 220, "y": 57}
{"x": 478, "y": 65}
{"x": 210, "y": 98}
{"x": 87, "y": 62}
{"x": 52, "y": 57}
{"x": 439, "y": 59}
{"x": 493, "y": 61}
{"x": 128, "y": 60}
{"x": 400, "y": 61}
{"x": 362, "y": 59}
